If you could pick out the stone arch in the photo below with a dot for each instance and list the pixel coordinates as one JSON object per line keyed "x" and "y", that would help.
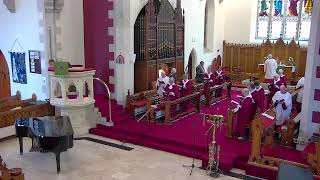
{"x": 57, "y": 90}
{"x": 72, "y": 91}
{"x": 86, "y": 91}
{"x": 209, "y": 21}
{"x": 191, "y": 66}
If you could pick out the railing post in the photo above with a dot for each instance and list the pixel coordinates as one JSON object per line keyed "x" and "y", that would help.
{"x": 167, "y": 112}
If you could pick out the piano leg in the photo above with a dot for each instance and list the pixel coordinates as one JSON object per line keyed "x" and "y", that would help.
{"x": 21, "y": 144}
{"x": 58, "y": 162}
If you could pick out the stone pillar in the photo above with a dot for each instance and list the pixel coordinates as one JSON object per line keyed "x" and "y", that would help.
{"x": 310, "y": 120}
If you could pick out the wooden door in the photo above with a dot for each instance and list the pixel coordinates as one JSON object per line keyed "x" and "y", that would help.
{"x": 4, "y": 77}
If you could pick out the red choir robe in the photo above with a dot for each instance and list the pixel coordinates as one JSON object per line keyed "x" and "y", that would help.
{"x": 209, "y": 81}
{"x": 219, "y": 77}
{"x": 259, "y": 98}
{"x": 283, "y": 80}
{"x": 186, "y": 87}
{"x": 245, "y": 115}
{"x": 172, "y": 92}
{"x": 273, "y": 88}
{"x": 219, "y": 81}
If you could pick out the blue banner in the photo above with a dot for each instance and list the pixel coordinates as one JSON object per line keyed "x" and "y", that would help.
{"x": 18, "y": 67}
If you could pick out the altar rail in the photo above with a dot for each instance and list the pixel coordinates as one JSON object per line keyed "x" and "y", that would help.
{"x": 246, "y": 57}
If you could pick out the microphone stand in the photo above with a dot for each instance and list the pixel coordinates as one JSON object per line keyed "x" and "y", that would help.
{"x": 192, "y": 166}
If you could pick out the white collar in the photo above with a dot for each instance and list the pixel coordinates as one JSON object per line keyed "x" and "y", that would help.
{"x": 282, "y": 75}
{"x": 260, "y": 87}
{"x": 275, "y": 81}
{"x": 171, "y": 86}
{"x": 252, "y": 91}
{"x": 185, "y": 82}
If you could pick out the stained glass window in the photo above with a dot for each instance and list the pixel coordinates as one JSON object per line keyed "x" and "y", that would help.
{"x": 285, "y": 19}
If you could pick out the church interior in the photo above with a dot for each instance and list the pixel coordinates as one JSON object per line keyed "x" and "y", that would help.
{"x": 159, "y": 89}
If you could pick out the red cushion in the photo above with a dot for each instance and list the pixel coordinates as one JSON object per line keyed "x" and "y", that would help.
{"x": 139, "y": 103}
{"x": 160, "y": 107}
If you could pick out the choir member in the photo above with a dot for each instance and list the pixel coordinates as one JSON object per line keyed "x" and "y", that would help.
{"x": 274, "y": 87}
{"x": 173, "y": 74}
{"x": 209, "y": 77}
{"x": 171, "y": 90}
{"x": 299, "y": 87}
{"x": 252, "y": 91}
{"x": 219, "y": 76}
{"x": 208, "y": 80}
{"x": 260, "y": 100}
{"x": 283, "y": 78}
{"x": 245, "y": 113}
{"x": 186, "y": 86}
{"x": 162, "y": 81}
{"x": 270, "y": 68}
{"x": 282, "y": 101}
{"x": 200, "y": 72}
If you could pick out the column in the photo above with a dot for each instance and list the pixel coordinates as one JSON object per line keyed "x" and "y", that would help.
{"x": 310, "y": 119}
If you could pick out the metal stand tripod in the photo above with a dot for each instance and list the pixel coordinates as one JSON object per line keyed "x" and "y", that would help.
{"x": 192, "y": 166}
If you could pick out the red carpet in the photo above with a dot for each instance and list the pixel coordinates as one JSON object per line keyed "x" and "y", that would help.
{"x": 178, "y": 138}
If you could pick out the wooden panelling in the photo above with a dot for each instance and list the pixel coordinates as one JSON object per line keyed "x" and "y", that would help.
{"x": 248, "y": 56}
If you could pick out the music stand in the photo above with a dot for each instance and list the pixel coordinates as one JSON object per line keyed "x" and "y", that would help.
{"x": 192, "y": 166}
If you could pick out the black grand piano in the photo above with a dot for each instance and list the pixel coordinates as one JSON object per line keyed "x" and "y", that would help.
{"x": 49, "y": 134}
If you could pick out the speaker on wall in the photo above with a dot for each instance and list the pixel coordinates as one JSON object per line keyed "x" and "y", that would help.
{"x": 11, "y": 5}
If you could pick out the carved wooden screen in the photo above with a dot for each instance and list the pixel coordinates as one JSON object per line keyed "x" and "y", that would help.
{"x": 4, "y": 77}
{"x": 159, "y": 41}
{"x": 248, "y": 56}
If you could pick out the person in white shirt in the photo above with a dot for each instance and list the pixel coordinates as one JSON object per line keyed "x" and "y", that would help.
{"x": 270, "y": 68}
{"x": 299, "y": 87}
{"x": 162, "y": 81}
{"x": 282, "y": 101}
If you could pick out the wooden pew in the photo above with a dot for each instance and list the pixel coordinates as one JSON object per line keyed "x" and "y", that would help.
{"x": 211, "y": 95}
{"x": 137, "y": 103}
{"x": 170, "y": 106}
{"x": 258, "y": 160}
{"x": 11, "y": 103}
{"x": 10, "y": 174}
{"x": 16, "y": 97}
{"x": 8, "y": 118}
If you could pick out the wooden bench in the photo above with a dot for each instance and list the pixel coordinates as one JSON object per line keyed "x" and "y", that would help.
{"x": 271, "y": 163}
{"x": 137, "y": 103}
{"x": 10, "y": 174}
{"x": 177, "y": 109}
{"x": 211, "y": 96}
{"x": 8, "y": 118}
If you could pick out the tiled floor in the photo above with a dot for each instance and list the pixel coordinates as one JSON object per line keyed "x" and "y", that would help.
{"x": 88, "y": 160}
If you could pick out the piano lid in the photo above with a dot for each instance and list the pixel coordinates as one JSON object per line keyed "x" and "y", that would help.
{"x": 51, "y": 126}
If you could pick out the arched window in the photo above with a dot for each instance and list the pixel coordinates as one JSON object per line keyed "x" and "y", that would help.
{"x": 208, "y": 25}
{"x": 285, "y": 19}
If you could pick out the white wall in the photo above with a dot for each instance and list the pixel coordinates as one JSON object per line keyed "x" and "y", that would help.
{"x": 71, "y": 36}
{"x": 24, "y": 25}
{"x": 240, "y": 20}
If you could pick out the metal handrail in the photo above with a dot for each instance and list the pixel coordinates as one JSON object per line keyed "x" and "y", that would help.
{"x": 145, "y": 114}
{"x": 109, "y": 96}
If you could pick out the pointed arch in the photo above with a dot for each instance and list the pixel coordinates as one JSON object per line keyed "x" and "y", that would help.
{"x": 4, "y": 77}
{"x": 191, "y": 66}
